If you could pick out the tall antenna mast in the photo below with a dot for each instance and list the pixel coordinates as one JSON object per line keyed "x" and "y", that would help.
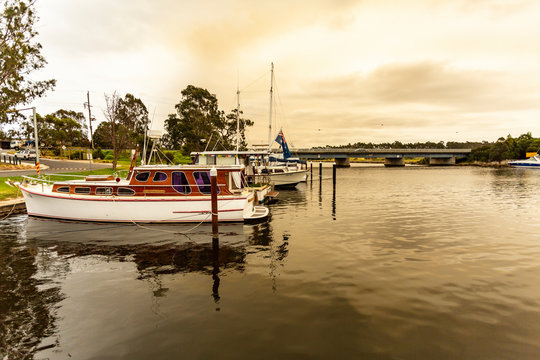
{"x": 271, "y": 100}
{"x": 237, "y": 117}
{"x": 90, "y": 119}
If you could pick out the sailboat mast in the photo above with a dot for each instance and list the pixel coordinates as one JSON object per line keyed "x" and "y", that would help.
{"x": 271, "y": 101}
{"x": 237, "y": 119}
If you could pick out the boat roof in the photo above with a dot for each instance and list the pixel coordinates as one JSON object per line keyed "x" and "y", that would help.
{"x": 231, "y": 152}
{"x": 188, "y": 167}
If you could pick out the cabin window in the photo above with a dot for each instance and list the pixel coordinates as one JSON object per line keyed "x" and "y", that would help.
{"x": 160, "y": 176}
{"x": 82, "y": 190}
{"x": 104, "y": 191}
{"x": 64, "y": 189}
{"x": 125, "y": 191}
{"x": 202, "y": 179}
{"x": 180, "y": 182}
{"x": 142, "y": 177}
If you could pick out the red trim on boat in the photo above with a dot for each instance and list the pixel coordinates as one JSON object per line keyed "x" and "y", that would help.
{"x": 130, "y": 197}
{"x": 131, "y": 221}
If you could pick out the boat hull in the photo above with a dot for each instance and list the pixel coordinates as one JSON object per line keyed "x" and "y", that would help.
{"x": 288, "y": 178}
{"x": 525, "y": 165}
{"x": 231, "y": 208}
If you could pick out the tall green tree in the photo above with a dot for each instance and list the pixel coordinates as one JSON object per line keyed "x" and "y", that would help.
{"x": 20, "y": 55}
{"x": 127, "y": 121}
{"x": 199, "y": 123}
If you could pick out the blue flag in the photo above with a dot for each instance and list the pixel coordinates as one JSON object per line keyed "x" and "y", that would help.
{"x": 280, "y": 139}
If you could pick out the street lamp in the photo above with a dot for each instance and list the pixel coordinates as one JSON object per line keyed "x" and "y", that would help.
{"x": 33, "y": 108}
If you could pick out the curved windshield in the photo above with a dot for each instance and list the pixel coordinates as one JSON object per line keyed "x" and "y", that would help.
{"x": 180, "y": 182}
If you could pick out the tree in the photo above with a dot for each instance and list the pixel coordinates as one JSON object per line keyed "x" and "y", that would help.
{"x": 58, "y": 129}
{"x": 102, "y": 135}
{"x": 133, "y": 122}
{"x": 20, "y": 55}
{"x": 111, "y": 113}
{"x": 127, "y": 122}
{"x": 198, "y": 123}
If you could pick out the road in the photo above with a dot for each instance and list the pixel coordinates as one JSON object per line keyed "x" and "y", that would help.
{"x": 56, "y": 166}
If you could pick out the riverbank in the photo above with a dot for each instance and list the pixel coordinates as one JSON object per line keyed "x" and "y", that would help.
{"x": 12, "y": 207}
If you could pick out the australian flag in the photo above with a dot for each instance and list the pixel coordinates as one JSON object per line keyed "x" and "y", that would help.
{"x": 280, "y": 139}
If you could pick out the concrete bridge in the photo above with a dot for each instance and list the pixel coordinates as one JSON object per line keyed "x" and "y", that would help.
{"x": 392, "y": 157}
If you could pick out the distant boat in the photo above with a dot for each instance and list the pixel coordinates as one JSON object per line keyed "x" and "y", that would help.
{"x": 532, "y": 162}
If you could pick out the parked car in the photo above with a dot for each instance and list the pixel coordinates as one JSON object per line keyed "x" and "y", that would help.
{"x": 15, "y": 144}
{"x": 26, "y": 154}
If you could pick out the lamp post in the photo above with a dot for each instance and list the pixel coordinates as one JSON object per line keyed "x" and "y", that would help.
{"x": 33, "y": 108}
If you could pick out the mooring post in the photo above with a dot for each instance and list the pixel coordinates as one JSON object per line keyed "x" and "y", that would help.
{"x": 213, "y": 183}
{"x": 320, "y": 170}
{"x": 334, "y": 175}
{"x": 311, "y": 169}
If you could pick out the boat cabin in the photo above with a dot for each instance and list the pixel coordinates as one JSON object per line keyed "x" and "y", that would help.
{"x": 152, "y": 180}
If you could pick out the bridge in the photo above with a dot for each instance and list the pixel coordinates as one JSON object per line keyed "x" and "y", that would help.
{"x": 392, "y": 157}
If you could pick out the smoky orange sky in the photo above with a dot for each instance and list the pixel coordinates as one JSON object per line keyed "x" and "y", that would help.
{"x": 346, "y": 71}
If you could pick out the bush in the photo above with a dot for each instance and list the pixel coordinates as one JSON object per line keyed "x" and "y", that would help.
{"x": 98, "y": 154}
{"x": 109, "y": 156}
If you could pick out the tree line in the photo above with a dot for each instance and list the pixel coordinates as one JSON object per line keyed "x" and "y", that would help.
{"x": 503, "y": 149}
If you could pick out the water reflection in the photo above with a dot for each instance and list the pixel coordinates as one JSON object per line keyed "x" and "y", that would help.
{"x": 37, "y": 254}
{"x": 28, "y": 301}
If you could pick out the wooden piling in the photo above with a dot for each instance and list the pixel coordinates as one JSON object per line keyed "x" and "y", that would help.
{"x": 320, "y": 170}
{"x": 214, "y": 192}
{"x": 334, "y": 174}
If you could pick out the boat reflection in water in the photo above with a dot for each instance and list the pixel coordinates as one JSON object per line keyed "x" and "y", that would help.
{"x": 55, "y": 250}
{"x": 155, "y": 249}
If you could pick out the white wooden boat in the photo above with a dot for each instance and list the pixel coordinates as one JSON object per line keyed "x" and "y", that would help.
{"x": 149, "y": 194}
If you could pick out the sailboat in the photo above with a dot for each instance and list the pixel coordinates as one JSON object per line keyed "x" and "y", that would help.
{"x": 283, "y": 171}
{"x": 263, "y": 166}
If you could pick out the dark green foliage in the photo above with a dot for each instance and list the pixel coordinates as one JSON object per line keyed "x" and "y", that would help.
{"x": 506, "y": 149}
{"x": 20, "y": 55}
{"x": 102, "y": 135}
{"x": 127, "y": 121}
{"x": 199, "y": 124}
{"x": 98, "y": 154}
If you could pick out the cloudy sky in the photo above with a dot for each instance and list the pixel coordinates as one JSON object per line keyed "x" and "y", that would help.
{"x": 345, "y": 70}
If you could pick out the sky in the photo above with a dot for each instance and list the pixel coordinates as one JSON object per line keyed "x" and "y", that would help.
{"x": 346, "y": 71}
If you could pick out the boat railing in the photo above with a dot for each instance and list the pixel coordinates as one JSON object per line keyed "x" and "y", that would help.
{"x": 46, "y": 180}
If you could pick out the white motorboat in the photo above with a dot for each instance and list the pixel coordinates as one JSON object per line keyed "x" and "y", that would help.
{"x": 532, "y": 162}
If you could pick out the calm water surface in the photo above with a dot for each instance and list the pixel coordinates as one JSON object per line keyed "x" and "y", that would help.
{"x": 409, "y": 263}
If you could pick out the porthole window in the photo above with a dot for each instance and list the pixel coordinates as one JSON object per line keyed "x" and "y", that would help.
{"x": 104, "y": 191}
{"x": 125, "y": 191}
{"x": 64, "y": 189}
{"x": 82, "y": 190}
{"x": 160, "y": 176}
{"x": 142, "y": 177}
{"x": 180, "y": 182}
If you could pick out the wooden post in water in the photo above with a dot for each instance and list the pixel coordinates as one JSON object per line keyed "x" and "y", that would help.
{"x": 320, "y": 170}
{"x": 311, "y": 169}
{"x": 213, "y": 183}
{"x": 334, "y": 175}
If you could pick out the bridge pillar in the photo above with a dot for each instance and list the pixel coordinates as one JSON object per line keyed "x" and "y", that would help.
{"x": 343, "y": 162}
{"x": 442, "y": 161}
{"x": 393, "y": 162}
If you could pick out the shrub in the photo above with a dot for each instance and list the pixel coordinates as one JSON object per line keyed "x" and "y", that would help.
{"x": 98, "y": 154}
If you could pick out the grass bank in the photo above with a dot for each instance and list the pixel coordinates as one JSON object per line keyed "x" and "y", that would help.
{"x": 8, "y": 191}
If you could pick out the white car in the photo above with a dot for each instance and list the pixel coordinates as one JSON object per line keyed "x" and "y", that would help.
{"x": 26, "y": 154}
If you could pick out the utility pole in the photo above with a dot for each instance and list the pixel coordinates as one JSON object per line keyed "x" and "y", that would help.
{"x": 90, "y": 118}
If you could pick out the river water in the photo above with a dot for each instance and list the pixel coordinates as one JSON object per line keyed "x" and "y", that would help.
{"x": 406, "y": 263}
